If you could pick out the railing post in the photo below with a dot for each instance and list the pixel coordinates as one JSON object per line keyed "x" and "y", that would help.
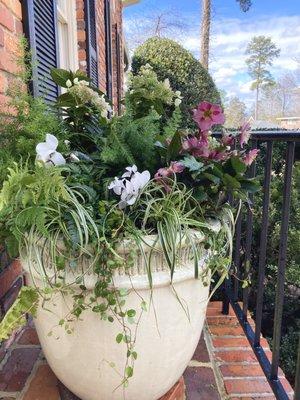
{"x": 282, "y": 258}
{"x": 297, "y": 379}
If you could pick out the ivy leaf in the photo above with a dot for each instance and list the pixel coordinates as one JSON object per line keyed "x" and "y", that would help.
{"x": 174, "y": 147}
{"x": 60, "y": 76}
{"x": 119, "y": 338}
{"x": 191, "y": 163}
{"x": 129, "y": 372}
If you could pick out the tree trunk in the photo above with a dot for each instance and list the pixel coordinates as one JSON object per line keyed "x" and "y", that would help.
{"x": 256, "y": 104}
{"x": 205, "y": 32}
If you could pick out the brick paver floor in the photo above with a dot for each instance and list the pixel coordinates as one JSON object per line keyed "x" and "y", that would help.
{"x": 222, "y": 368}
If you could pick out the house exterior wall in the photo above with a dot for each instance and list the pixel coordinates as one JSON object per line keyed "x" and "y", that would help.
{"x": 10, "y": 31}
{"x": 290, "y": 123}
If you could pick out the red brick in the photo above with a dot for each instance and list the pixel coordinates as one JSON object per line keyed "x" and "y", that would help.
{"x": 7, "y": 62}
{"x": 44, "y": 385}
{"x": 222, "y": 320}
{"x": 247, "y": 386}
{"x": 285, "y": 383}
{"x": 17, "y": 369}
{"x": 214, "y": 312}
{"x": 29, "y": 336}
{"x": 11, "y": 272}
{"x": 12, "y": 43}
{"x": 201, "y": 353}
{"x": 254, "y": 398}
{"x": 235, "y": 356}
{"x": 241, "y": 370}
{"x": 6, "y": 18}
{"x": 176, "y": 393}
{"x": 15, "y": 7}
{"x": 18, "y": 27}
{"x": 3, "y": 87}
{"x": 226, "y": 330}
{"x": 1, "y": 37}
{"x": 7, "y": 301}
{"x": 228, "y": 342}
{"x": 200, "y": 384}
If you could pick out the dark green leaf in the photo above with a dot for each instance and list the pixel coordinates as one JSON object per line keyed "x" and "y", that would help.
{"x": 231, "y": 182}
{"x": 60, "y": 76}
{"x": 191, "y": 163}
{"x": 174, "y": 147}
{"x": 238, "y": 165}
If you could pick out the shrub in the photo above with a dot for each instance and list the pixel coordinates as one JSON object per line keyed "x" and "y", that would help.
{"x": 186, "y": 74}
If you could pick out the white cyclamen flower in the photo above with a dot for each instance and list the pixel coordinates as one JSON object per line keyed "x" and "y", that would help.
{"x": 129, "y": 171}
{"x": 167, "y": 84}
{"x": 76, "y": 81}
{"x": 68, "y": 83}
{"x": 46, "y": 151}
{"x": 129, "y": 189}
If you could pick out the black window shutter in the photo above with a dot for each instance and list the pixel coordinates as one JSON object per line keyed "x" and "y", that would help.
{"x": 119, "y": 67}
{"x": 91, "y": 40}
{"x": 108, "y": 49}
{"x": 40, "y": 28}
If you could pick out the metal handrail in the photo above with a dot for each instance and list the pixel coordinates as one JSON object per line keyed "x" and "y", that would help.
{"x": 232, "y": 285}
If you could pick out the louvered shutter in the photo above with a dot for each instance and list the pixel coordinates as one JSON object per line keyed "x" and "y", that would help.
{"x": 108, "y": 48}
{"x": 40, "y": 28}
{"x": 119, "y": 67}
{"x": 91, "y": 40}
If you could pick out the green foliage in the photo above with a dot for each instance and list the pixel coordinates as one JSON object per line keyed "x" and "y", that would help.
{"x": 171, "y": 61}
{"x": 28, "y": 122}
{"x": 26, "y": 302}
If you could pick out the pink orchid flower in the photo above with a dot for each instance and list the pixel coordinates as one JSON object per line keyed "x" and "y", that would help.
{"x": 250, "y": 157}
{"x": 206, "y": 115}
{"x": 163, "y": 174}
{"x": 245, "y": 134}
{"x": 196, "y": 147}
{"x": 227, "y": 139}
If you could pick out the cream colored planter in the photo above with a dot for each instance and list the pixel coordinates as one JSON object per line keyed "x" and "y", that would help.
{"x": 166, "y": 338}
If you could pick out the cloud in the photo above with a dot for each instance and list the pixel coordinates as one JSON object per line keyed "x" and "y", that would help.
{"x": 229, "y": 39}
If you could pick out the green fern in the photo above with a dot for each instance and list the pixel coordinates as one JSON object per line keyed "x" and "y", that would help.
{"x": 26, "y": 303}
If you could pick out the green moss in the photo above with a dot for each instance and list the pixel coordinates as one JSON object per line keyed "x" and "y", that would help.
{"x": 171, "y": 60}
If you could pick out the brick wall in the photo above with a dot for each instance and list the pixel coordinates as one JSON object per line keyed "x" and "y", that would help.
{"x": 10, "y": 31}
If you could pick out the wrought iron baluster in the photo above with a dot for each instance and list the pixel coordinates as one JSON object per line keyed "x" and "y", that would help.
{"x": 282, "y": 259}
{"x": 263, "y": 244}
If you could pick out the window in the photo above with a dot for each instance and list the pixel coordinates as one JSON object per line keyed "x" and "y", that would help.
{"x": 67, "y": 34}
{"x": 108, "y": 49}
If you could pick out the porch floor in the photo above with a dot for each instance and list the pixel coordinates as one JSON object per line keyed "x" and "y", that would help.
{"x": 223, "y": 367}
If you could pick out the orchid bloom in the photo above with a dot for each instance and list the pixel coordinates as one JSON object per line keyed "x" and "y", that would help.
{"x": 227, "y": 139}
{"x": 130, "y": 188}
{"x": 46, "y": 152}
{"x": 196, "y": 147}
{"x": 206, "y": 115}
{"x": 250, "y": 157}
{"x": 163, "y": 173}
{"x": 244, "y": 133}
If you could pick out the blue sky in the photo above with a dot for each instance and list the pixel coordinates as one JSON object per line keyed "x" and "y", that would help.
{"x": 231, "y": 31}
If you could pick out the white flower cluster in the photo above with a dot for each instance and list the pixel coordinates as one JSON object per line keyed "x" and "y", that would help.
{"x": 46, "y": 152}
{"x": 129, "y": 185}
{"x": 178, "y": 97}
{"x": 81, "y": 89}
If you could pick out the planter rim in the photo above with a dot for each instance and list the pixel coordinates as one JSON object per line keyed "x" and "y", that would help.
{"x": 132, "y": 277}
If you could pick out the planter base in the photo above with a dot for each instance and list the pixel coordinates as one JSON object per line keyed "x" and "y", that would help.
{"x": 177, "y": 392}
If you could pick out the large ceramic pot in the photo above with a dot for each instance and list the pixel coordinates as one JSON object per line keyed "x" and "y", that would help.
{"x": 166, "y": 337}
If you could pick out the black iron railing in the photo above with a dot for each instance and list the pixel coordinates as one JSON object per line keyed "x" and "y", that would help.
{"x": 243, "y": 257}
